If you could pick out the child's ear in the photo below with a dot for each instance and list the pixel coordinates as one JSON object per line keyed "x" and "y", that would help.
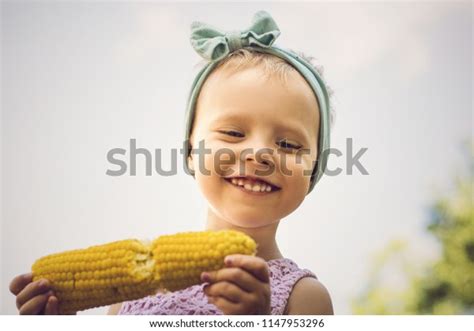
{"x": 190, "y": 159}
{"x": 190, "y": 163}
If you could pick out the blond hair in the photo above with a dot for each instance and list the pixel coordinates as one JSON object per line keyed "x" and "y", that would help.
{"x": 271, "y": 65}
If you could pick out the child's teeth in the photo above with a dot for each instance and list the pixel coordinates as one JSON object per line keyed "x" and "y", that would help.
{"x": 261, "y": 187}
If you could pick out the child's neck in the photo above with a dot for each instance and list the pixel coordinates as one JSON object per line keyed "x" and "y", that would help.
{"x": 264, "y": 236}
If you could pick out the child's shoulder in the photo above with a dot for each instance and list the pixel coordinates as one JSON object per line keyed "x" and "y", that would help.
{"x": 309, "y": 297}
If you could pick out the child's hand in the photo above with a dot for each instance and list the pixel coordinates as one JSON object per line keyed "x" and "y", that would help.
{"x": 34, "y": 298}
{"x": 241, "y": 288}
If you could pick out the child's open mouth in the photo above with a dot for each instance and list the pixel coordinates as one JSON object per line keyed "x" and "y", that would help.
{"x": 252, "y": 185}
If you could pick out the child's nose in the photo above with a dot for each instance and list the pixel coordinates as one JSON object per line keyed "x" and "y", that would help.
{"x": 260, "y": 156}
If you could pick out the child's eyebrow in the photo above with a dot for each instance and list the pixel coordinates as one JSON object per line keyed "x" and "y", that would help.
{"x": 227, "y": 117}
{"x": 283, "y": 126}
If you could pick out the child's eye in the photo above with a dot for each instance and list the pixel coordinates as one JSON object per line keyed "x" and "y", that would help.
{"x": 233, "y": 133}
{"x": 285, "y": 144}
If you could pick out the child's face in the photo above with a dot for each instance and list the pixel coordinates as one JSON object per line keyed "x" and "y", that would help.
{"x": 262, "y": 112}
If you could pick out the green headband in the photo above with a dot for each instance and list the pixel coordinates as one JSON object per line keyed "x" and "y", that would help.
{"x": 214, "y": 45}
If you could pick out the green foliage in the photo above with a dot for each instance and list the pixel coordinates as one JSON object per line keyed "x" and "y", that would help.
{"x": 443, "y": 287}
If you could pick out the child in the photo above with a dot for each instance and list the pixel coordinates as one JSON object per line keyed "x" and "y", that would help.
{"x": 266, "y": 110}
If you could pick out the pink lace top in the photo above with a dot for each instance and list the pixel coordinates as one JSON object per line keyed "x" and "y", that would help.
{"x": 284, "y": 273}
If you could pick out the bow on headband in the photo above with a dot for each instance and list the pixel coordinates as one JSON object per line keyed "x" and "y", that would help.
{"x": 212, "y": 44}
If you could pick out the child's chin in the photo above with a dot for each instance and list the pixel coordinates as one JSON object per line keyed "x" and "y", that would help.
{"x": 248, "y": 219}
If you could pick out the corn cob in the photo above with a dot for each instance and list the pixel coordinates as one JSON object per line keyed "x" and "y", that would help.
{"x": 131, "y": 269}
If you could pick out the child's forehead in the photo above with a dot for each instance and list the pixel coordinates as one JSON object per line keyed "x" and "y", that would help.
{"x": 253, "y": 89}
{"x": 249, "y": 97}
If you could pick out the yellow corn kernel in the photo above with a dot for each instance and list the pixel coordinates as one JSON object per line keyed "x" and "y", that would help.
{"x": 181, "y": 258}
{"x": 131, "y": 269}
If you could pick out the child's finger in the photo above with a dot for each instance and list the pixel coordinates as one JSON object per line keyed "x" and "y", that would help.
{"x": 239, "y": 277}
{"x": 31, "y": 290}
{"x": 19, "y": 282}
{"x": 227, "y": 290}
{"x": 226, "y": 306}
{"x": 52, "y": 306}
{"x": 34, "y": 306}
{"x": 253, "y": 264}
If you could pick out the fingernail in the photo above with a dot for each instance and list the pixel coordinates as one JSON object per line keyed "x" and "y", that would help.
{"x": 228, "y": 260}
{"x": 205, "y": 277}
{"x": 43, "y": 282}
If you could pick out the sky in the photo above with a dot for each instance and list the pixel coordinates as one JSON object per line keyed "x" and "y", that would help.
{"x": 82, "y": 78}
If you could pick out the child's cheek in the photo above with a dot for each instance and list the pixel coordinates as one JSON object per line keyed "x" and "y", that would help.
{"x": 299, "y": 167}
{"x": 219, "y": 158}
